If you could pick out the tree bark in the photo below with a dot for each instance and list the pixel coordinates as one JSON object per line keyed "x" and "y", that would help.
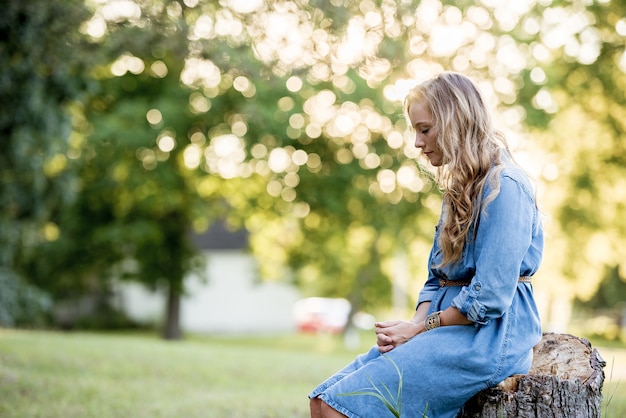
{"x": 171, "y": 330}
{"x": 565, "y": 381}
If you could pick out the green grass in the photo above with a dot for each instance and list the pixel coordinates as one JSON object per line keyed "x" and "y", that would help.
{"x": 50, "y": 374}
{"x": 46, "y": 374}
{"x": 614, "y": 390}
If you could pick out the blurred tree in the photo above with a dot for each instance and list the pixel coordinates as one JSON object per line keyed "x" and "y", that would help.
{"x": 610, "y": 295}
{"x": 328, "y": 144}
{"x": 554, "y": 66}
{"x": 289, "y": 113}
{"x": 138, "y": 200}
{"x": 573, "y": 96}
{"x": 188, "y": 119}
{"x": 41, "y": 74}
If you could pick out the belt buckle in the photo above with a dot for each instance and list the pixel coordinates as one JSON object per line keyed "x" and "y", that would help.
{"x": 442, "y": 282}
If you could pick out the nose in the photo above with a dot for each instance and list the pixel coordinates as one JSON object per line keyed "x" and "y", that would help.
{"x": 419, "y": 140}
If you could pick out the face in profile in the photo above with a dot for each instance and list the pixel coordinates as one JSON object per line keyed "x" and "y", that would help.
{"x": 425, "y": 132}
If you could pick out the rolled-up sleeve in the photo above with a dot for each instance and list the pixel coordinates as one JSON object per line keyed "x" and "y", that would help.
{"x": 501, "y": 242}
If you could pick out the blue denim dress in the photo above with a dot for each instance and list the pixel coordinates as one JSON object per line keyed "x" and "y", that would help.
{"x": 439, "y": 370}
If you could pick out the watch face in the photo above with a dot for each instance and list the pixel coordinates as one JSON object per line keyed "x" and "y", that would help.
{"x": 432, "y": 321}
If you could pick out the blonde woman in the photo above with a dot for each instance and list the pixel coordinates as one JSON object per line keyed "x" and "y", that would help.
{"x": 476, "y": 320}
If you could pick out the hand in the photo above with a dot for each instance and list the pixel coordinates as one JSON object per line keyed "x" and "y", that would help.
{"x": 390, "y": 334}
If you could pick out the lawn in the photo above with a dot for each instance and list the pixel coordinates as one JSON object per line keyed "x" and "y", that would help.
{"x": 46, "y": 374}
{"x": 51, "y": 374}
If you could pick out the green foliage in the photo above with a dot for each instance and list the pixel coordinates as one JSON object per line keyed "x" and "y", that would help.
{"x": 581, "y": 138}
{"x": 312, "y": 142}
{"x": 144, "y": 205}
{"x": 21, "y": 304}
{"x": 42, "y": 72}
{"x": 611, "y": 293}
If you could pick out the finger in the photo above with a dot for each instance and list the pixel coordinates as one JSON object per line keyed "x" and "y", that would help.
{"x": 385, "y": 348}
{"x": 385, "y": 324}
{"x": 382, "y": 340}
{"x": 383, "y": 336}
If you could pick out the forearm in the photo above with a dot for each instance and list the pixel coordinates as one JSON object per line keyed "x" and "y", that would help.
{"x": 390, "y": 334}
{"x": 450, "y": 316}
{"x": 420, "y": 313}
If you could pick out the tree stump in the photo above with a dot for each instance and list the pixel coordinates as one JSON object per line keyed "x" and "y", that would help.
{"x": 565, "y": 381}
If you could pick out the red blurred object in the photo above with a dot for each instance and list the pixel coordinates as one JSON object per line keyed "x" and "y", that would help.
{"x": 316, "y": 314}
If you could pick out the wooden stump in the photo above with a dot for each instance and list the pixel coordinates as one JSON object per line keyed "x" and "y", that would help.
{"x": 565, "y": 381}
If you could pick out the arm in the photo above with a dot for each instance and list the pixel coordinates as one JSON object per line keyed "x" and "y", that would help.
{"x": 390, "y": 334}
{"x": 503, "y": 239}
{"x": 450, "y": 316}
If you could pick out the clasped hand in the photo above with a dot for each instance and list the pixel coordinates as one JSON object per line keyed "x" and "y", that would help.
{"x": 390, "y": 334}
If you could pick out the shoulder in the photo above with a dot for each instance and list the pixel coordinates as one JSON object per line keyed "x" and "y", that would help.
{"x": 513, "y": 175}
{"x": 508, "y": 179}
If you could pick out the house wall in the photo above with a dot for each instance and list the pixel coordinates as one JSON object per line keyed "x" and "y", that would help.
{"x": 226, "y": 298}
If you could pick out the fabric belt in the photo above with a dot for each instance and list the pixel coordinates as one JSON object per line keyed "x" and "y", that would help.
{"x": 449, "y": 283}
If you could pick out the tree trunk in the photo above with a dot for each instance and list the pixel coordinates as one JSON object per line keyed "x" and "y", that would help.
{"x": 565, "y": 381}
{"x": 171, "y": 330}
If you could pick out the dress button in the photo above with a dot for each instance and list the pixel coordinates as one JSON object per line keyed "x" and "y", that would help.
{"x": 476, "y": 287}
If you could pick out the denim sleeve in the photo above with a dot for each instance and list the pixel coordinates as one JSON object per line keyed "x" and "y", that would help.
{"x": 503, "y": 238}
{"x": 428, "y": 291}
{"x": 432, "y": 283}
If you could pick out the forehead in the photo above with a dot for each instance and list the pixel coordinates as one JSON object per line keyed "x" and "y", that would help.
{"x": 419, "y": 113}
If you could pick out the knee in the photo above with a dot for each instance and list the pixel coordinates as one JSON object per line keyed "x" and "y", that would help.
{"x": 329, "y": 412}
{"x": 320, "y": 409}
{"x": 315, "y": 406}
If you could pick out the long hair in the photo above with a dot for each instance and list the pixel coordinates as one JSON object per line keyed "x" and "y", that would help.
{"x": 472, "y": 154}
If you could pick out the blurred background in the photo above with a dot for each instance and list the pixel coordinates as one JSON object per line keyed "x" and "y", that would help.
{"x": 244, "y": 166}
{"x": 205, "y": 204}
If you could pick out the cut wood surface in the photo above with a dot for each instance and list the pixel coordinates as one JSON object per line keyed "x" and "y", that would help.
{"x": 565, "y": 381}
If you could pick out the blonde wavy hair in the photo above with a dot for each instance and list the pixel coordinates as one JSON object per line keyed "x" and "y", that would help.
{"x": 471, "y": 149}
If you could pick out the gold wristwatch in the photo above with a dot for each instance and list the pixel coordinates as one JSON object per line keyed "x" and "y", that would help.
{"x": 432, "y": 321}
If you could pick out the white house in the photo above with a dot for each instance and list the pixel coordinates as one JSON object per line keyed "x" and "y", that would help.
{"x": 227, "y": 297}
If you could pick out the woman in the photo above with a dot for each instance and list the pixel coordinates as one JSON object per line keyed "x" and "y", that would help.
{"x": 476, "y": 321}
